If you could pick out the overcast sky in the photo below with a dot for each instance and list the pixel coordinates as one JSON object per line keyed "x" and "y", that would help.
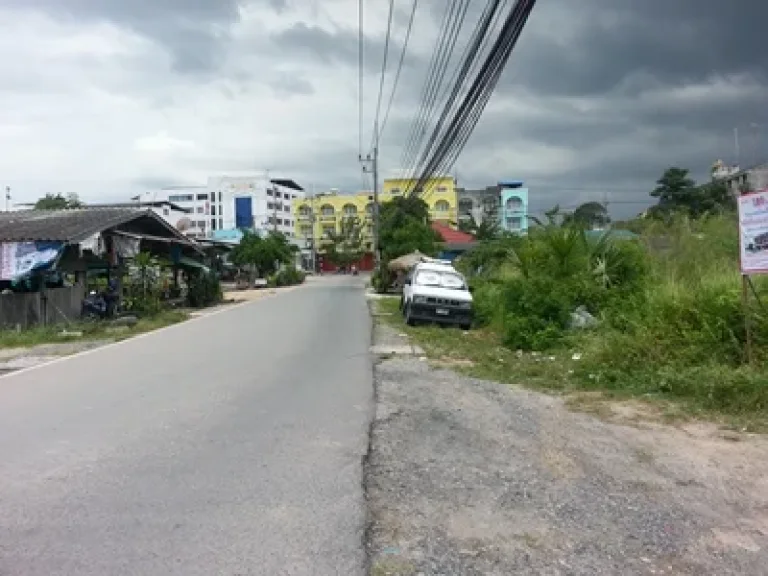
{"x": 110, "y": 97}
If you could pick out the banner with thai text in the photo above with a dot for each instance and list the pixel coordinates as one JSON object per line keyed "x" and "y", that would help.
{"x": 753, "y": 232}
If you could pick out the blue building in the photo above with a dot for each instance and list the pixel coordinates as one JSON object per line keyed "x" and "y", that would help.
{"x": 513, "y": 213}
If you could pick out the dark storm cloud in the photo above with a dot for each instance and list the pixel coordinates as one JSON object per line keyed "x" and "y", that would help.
{"x": 340, "y": 47}
{"x": 195, "y": 32}
{"x": 608, "y": 40}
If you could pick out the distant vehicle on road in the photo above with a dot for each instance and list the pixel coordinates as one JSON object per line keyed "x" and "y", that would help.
{"x": 434, "y": 291}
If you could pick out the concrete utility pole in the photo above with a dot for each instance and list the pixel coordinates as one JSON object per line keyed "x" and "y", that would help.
{"x": 7, "y": 198}
{"x": 371, "y": 165}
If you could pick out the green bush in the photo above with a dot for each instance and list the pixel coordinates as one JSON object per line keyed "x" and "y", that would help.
{"x": 288, "y": 276}
{"x": 528, "y": 287}
{"x": 381, "y": 279}
{"x": 203, "y": 289}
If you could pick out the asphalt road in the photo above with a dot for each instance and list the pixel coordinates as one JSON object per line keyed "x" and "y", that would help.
{"x": 227, "y": 445}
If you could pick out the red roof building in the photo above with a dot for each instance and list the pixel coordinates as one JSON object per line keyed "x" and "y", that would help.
{"x": 452, "y": 237}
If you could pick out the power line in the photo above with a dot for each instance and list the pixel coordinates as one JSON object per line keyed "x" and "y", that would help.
{"x": 454, "y": 138}
{"x": 445, "y": 44}
{"x": 436, "y": 86}
{"x": 469, "y": 59}
{"x": 399, "y": 66}
{"x": 375, "y": 136}
{"x": 360, "y": 66}
{"x": 497, "y": 60}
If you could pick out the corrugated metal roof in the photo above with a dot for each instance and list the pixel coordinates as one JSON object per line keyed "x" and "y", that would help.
{"x": 72, "y": 225}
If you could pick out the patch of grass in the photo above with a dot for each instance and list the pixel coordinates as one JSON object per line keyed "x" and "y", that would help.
{"x": 85, "y": 331}
{"x": 481, "y": 354}
{"x": 734, "y": 397}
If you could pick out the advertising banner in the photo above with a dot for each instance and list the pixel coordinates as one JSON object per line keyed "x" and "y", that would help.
{"x": 17, "y": 259}
{"x": 753, "y": 232}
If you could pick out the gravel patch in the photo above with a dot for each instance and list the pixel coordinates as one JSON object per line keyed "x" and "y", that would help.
{"x": 12, "y": 359}
{"x": 467, "y": 477}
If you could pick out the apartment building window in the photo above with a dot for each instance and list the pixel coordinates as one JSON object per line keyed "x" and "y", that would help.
{"x": 213, "y": 223}
{"x": 350, "y": 210}
{"x": 279, "y": 221}
{"x": 369, "y": 208}
{"x": 181, "y": 198}
{"x": 515, "y": 223}
{"x": 395, "y": 190}
{"x": 442, "y": 189}
{"x": 201, "y": 224}
{"x": 166, "y": 212}
{"x": 269, "y": 192}
{"x": 199, "y": 210}
{"x": 329, "y": 230}
{"x": 327, "y": 210}
{"x": 306, "y": 230}
{"x": 202, "y": 197}
{"x": 219, "y": 196}
{"x": 305, "y": 210}
{"x": 514, "y": 204}
{"x": 221, "y": 223}
{"x": 213, "y": 210}
{"x": 286, "y": 208}
{"x": 213, "y": 196}
{"x": 442, "y": 206}
{"x": 270, "y": 205}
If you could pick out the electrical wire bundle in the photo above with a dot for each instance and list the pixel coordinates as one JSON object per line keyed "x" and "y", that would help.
{"x": 447, "y": 141}
{"x": 441, "y": 56}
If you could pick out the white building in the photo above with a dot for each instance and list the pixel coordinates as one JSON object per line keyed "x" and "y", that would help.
{"x": 230, "y": 203}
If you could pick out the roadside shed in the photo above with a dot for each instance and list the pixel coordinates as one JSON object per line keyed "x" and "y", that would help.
{"x": 38, "y": 245}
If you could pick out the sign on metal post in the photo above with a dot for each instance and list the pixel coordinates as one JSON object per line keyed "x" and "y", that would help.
{"x": 753, "y": 250}
{"x": 753, "y": 232}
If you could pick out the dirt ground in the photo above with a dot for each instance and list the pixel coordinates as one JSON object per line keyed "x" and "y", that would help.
{"x": 466, "y": 477}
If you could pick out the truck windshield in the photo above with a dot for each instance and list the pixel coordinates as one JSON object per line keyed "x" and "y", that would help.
{"x": 441, "y": 279}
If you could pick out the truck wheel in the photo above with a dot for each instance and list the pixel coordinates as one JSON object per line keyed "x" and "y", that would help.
{"x": 466, "y": 327}
{"x": 408, "y": 316}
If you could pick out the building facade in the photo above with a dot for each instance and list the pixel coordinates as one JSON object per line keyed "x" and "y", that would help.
{"x": 513, "y": 210}
{"x": 479, "y": 205}
{"x": 319, "y": 216}
{"x": 229, "y": 203}
{"x": 739, "y": 181}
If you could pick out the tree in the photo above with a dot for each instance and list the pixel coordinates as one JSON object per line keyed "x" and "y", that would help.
{"x": 589, "y": 215}
{"x": 263, "y": 254}
{"x": 679, "y": 193}
{"x": 674, "y": 188}
{"x": 405, "y": 227}
{"x": 347, "y": 244}
{"x": 488, "y": 229}
{"x": 58, "y": 202}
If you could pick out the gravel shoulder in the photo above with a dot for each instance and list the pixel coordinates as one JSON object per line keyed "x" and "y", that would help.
{"x": 470, "y": 477}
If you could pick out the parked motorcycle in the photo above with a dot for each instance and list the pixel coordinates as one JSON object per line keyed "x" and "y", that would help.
{"x": 94, "y": 306}
{"x": 100, "y": 305}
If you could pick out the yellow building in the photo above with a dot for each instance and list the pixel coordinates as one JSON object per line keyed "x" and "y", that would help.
{"x": 323, "y": 213}
{"x": 439, "y": 193}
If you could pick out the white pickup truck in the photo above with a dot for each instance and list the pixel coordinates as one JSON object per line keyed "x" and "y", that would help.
{"x": 434, "y": 291}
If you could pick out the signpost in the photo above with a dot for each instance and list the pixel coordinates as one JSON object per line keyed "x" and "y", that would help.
{"x": 753, "y": 250}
